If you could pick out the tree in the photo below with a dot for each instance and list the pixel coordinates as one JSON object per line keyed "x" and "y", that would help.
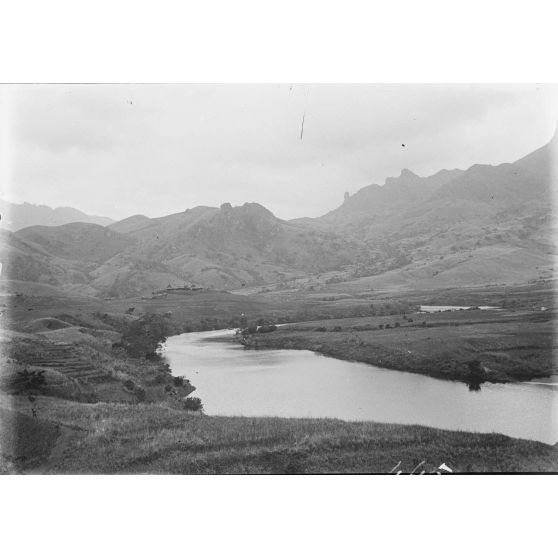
{"x": 142, "y": 337}
{"x": 476, "y": 375}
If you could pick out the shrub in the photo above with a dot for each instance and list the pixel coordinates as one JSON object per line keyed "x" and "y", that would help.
{"x": 337, "y": 328}
{"x": 140, "y": 393}
{"x": 29, "y": 381}
{"x": 193, "y": 404}
{"x": 178, "y": 381}
{"x": 321, "y": 329}
{"x": 129, "y": 384}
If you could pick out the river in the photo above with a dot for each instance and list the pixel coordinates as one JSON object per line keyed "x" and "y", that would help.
{"x": 233, "y": 381}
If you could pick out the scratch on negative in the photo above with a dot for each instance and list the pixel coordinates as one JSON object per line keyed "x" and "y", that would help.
{"x": 302, "y": 128}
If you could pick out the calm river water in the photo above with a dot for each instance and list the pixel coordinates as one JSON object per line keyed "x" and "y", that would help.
{"x": 233, "y": 381}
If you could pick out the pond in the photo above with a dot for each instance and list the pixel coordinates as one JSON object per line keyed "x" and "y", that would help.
{"x": 233, "y": 381}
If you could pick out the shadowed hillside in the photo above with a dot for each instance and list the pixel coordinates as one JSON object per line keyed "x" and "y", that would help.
{"x": 76, "y": 241}
{"x": 60, "y": 256}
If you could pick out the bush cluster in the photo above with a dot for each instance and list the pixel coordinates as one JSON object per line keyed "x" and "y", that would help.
{"x": 141, "y": 337}
{"x": 193, "y": 404}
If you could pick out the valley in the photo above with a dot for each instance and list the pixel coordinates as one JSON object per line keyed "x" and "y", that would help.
{"x": 85, "y": 307}
{"x": 77, "y": 342}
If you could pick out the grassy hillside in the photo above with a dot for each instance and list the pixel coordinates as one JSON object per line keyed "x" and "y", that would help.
{"x": 485, "y": 265}
{"x": 226, "y": 247}
{"x": 107, "y": 438}
{"x": 76, "y": 241}
{"x": 217, "y": 248}
{"x": 187, "y": 310}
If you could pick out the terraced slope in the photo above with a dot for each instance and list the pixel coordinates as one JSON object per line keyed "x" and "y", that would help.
{"x": 65, "y": 359}
{"x": 44, "y": 368}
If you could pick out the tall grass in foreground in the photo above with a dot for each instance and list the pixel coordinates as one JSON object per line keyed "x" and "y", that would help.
{"x": 154, "y": 438}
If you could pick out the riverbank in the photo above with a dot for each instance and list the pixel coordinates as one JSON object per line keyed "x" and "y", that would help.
{"x": 102, "y": 411}
{"x": 108, "y": 438}
{"x": 81, "y": 364}
{"x": 472, "y": 346}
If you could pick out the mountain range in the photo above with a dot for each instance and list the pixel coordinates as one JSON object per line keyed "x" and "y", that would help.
{"x": 484, "y": 225}
{"x": 15, "y": 216}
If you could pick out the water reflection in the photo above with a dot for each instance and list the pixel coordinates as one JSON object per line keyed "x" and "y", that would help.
{"x": 474, "y": 385}
{"x": 475, "y": 378}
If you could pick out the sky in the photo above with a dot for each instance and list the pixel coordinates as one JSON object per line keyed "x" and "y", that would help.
{"x": 121, "y": 150}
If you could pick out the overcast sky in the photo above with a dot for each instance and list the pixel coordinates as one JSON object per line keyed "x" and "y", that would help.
{"x": 119, "y": 150}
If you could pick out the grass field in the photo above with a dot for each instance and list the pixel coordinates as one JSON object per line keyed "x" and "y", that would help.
{"x": 509, "y": 344}
{"x": 195, "y": 309}
{"x": 107, "y": 438}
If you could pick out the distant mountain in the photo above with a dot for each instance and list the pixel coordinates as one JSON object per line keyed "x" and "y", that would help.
{"x": 411, "y": 224}
{"x": 222, "y": 248}
{"x": 229, "y": 247}
{"x": 484, "y": 225}
{"x": 478, "y": 192}
{"x": 397, "y": 194}
{"x": 15, "y": 216}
